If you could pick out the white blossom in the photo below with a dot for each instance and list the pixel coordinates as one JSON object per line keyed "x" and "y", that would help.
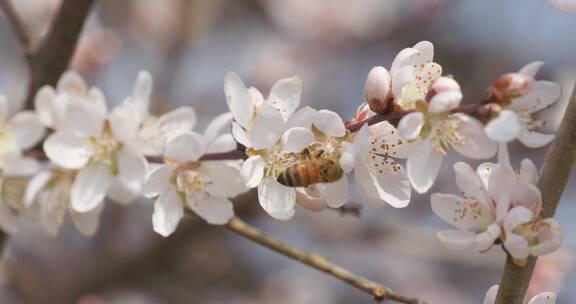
{"x": 50, "y": 190}
{"x": 541, "y": 298}
{"x": 516, "y": 119}
{"x": 501, "y": 205}
{"x": 18, "y": 133}
{"x": 412, "y": 73}
{"x": 307, "y": 128}
{"x": 185, "y": 181}
{"x": 86, "y": 139}
{"x": 379, "y": 178}
{"x": 432, "y": 130}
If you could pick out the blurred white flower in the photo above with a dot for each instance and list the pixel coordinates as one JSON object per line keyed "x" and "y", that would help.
{"x": 520, "y": 96}
{"x": 542, "y": 298}
{"x": 50, "y": 190}
{"x": 502, "y": 205}
{"x": 432, "y": 130}
{"x": 18, "y": 133}
{"x": 246, "y": 104}
{"x": 203, "y": 186}
{"x": 143, "y": 132}
{"x": 564, "y": 6}
{"x": 85, "y": 139}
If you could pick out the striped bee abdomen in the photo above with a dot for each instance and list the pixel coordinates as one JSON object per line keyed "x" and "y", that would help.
{"x": 302, "y": 174}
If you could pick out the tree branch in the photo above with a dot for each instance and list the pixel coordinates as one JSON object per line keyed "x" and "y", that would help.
{"x": 52, "y": 56}
{"x": 22, "y": 32}
{"x": 555, "y": 173}
{"x": 378, "y": 291}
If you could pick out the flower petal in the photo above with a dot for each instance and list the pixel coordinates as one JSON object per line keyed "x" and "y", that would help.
{"x": 214, "y": 210}
{"x": 546, "y": 297}
{"x": 531, "y": 69}
{"x": 386, "y": 140}
{"x": 445, "y": 101}
{"x": 222, "y": 143}
{"x": 225, "y": 177}
{"x": 491, "y": 295}
{"x": 329, "y": 123}
{"x": 391, "y": 180}
{"x": 84, "y": 118}
{"x": 456, "y": 239}
{"x": 335, "y": 194}
{"x": 35, "y": 185}
{"x": 52, "y": 211}
{"x": 132, "y": 168}
{"x": 505, "y": 127}
{"x": 267, "y": 129}
{"x": 542, "y": 95}
{"x": 143, "y": 89}
{"x": 253, "y": 171}
{"x": 27, "y": 130}
{"x": 470, "y": 184}
{"x": 404, "y": 58}
{"x": 460, "y": 212}
{"x": 216, "y": 125}
{"x": 423, "y": 164}
{"x": 241, "y": 135}
{"x": 348, "y": 157}
{"x": 549, "y": 238}
{"x": 176, "y": 122}
{"x": 411, "y": 125}
{"x": 87, "y": 223}
{"x": 239, "y": 99}
{"x": 43, "y": 105}
{"x": 486, "y": 239}
{"x": 516, "y": 245}
{"x": 528, "y": 172}
{"x": 185, "y": 147}
{"x": 477, "y": 145}
{"x": 534, "y": 139}
{"x": 517, "y": 216}
{"x": 310, "y": 198}
{"x": 285, "y": 96}
{"x": 277, "y": 199}
{"x": 125, "y": 120}
{"x": 4, "y": 109}
{"x": 158, "y": 180}
{"x": 302, "y": 118}
{"x": 67, "y": 151}
{"x": 168, "y": 210}
{"x": 296, "y": 139}
{"x": 90, "y": 187}
{"x": 526, "y": 195}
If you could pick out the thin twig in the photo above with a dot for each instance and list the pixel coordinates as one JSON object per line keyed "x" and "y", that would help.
{"x": 52, "y": 56}
{"x": 553, "y": 179}
{"x": 378, "y": 291}
{"x": 353, "y": 127}
{"x": 22, "y": 32}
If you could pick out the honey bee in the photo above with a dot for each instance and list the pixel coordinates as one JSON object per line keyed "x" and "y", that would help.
{"x": 312, "y": 168}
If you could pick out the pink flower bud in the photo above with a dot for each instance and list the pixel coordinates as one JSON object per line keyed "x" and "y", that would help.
{"x": 444, "y": 84}
{"x": 512, "y": 85}
{"x": 377, "y": 89}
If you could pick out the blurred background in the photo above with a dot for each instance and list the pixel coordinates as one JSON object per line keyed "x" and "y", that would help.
{"x": 189, "y": 45}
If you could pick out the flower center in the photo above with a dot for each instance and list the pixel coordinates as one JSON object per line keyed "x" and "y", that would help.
{"x": 446, "y": 133}
{"x": 192, "y": 183}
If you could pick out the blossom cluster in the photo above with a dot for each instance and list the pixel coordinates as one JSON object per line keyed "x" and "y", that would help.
{"x": 292, "y": 155}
